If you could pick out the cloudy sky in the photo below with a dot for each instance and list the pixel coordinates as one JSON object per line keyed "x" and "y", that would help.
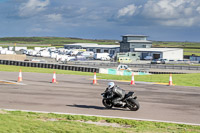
{"x": 161, "y": 20}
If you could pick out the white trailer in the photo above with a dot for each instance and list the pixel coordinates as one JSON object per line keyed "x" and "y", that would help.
{"x": 74, "y": 52}
{"x": 19, "y": 48}
{"x": 53, "y": 55}
{"x": 45, "y": 53}
{"x": 10, "y": 48}
{"x": 81, "y": 58}
{"x": 29, "y": 52}
{"x": 37, "y": 48}
{"x": 3, "y": 51}
{"x": 88, "y": 54}
{"x": 10, "y": 52}
{"x": 105, "y": 58}
{"x": 70, "y": 58}
{"x": 99, "y": 56}
{"x": 32, "y": 52}
{"x": 61, "y": 57}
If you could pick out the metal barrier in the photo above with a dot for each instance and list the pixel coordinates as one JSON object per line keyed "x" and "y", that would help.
{"x": 50, "y": 66}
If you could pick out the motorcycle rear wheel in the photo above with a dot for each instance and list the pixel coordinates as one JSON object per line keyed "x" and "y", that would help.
{"x": 133, "y": 104}
{"x": 107, "y": 103}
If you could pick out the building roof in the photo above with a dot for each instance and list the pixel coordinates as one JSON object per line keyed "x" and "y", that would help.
{"x": 139, "y": 41}
{"x": 156, "y": 49}
{"x": 135, "y": 35}
{"x": 93, "y": 45}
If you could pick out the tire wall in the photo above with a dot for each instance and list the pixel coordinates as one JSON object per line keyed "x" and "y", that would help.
{"x": 49, "y": 66}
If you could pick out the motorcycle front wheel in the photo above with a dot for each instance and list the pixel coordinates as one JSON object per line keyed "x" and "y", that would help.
{"x": 107, "y": 103}
{"x": 133, "y": 104}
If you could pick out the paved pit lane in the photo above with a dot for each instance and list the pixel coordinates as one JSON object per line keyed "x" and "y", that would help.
{"x": 75, "y": 94}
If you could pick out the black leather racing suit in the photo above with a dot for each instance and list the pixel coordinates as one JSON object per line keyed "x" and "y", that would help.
{"x": 118, "y": 94}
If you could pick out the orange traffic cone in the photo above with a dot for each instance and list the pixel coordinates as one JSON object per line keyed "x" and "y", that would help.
{"x": 54, "y": 77}
{"x": 170, "y": 79}
{"x": 95, "y": 79}
{"x": 132, "y": 80}
{"x": 20, "y": 76}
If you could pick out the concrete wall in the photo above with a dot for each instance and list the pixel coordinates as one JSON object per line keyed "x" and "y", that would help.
{"x": 122, "y": 72}
{"x": 13, "y": 57}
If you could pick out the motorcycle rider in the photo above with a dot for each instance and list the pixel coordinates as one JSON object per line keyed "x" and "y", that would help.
{"x": 118, "y": 93}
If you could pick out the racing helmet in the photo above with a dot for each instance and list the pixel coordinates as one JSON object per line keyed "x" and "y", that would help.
{"x": 111, "y": 85}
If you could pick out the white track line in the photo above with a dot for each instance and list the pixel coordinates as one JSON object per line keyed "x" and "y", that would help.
{"x": 12, "y": 82}
{"x": 138, "y": 119}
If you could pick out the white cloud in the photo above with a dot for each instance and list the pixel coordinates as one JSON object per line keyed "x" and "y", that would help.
{"x": 180, "y": 22}
{"x": 173, "y": 12}
{"x": 82, "y": 10}
{"x": 32, "y": 7}
{"x": 127, "y": 11}
{"x": 198, "y": 9}
{"x": 54, "y": 17}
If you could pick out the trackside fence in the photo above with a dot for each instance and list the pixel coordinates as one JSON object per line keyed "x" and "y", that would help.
{"x": 156, "y": 66}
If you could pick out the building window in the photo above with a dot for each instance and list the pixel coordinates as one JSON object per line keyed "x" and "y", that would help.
{"x": 133, "y": 54}
{"x": 98, "y": 50}
{"x": 125, "y": 39}
{"x": 105, "y": 51}
{"x": 112, "y": 51}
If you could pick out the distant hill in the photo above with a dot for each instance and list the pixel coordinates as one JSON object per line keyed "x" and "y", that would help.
{"x": 190, "y": 45}
{"x": 54, "y": 41}
{"x": 59, "y": 41}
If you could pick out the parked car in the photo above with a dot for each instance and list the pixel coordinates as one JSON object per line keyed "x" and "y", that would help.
{"x": 164, "y": 61}
{"x": 159, "y": 61}
{"x": 155, "y": 61}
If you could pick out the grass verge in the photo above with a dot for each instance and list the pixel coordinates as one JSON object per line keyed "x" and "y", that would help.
{"x": 18, "y": 121}
{"x": 178, "y": 79}
{"x": 192, "y": 53}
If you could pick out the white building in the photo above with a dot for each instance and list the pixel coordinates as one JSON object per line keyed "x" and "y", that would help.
{"x": 111, "y": 49}
{"x": 164, "y": 53}
{"x": 139, "y": 43}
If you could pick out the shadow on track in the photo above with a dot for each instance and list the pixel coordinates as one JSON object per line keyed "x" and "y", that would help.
{"x": 95, "y": 107}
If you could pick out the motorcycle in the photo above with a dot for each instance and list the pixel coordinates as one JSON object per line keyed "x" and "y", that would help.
{"x": 129, "y": 101}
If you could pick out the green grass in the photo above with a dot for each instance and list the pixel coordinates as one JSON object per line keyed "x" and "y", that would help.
{"x": 191, "y": 50}
{"x": 178, "y": 79}
{"x": 30, "y": 122}
{"x": 177, "y": 44}
{"x": 54, "y": 41}
{"x": 191, "y": 53}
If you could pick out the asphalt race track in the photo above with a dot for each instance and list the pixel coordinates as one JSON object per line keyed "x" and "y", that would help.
{"x": 76, "y": 94}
